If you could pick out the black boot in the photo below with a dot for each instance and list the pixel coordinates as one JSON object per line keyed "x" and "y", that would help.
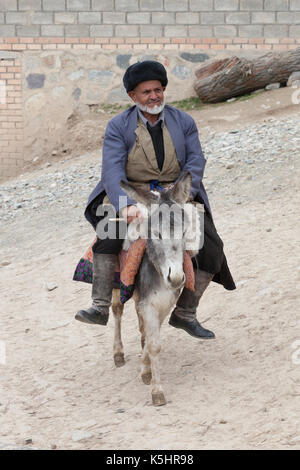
{"x": 103, "y": 277}
{"x": 184, "y": 314}
{"x": 193, "y": 327}
{"x": 92, "y": 316}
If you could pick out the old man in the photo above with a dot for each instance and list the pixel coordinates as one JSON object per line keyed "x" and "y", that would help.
{"x": 151, "y": 144}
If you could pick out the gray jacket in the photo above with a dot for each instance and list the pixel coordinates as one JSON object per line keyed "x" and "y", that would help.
{"x": 118, "y": 141}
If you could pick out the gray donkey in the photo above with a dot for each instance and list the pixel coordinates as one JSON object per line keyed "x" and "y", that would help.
{"x": 161, "y": 278}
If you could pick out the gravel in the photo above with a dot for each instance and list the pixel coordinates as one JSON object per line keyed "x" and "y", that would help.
{"x": 262, "y": 146}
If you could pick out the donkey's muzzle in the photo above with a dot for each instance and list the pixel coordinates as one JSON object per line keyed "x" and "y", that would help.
{"x": 176, "y": 279}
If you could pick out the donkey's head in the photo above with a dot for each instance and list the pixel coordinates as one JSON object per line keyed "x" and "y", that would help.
{"x": 165, "y": 226}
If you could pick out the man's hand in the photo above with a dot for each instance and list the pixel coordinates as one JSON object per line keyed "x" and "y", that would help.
{"x": 130, "y": 213}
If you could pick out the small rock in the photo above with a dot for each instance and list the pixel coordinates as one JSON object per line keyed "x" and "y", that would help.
{"x": 28, "y": 441}
{"x": 53, "y": 446}
{"x": 54, "y": 152}
{"x": 273, "y": 86}
{"x": 230, "y": 100}
{"x": 223, "y": 421}
{"x": 269, "y": 230}
{"x": 229, "y": 166}
{"x": 120, "y": 410}
{"x": 51, "y": 286}
{"x": 81, "y": 435}
{"x": 5, "y": 263}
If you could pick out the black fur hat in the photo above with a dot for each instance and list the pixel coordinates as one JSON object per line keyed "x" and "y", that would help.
{"x": 142, "y": 72}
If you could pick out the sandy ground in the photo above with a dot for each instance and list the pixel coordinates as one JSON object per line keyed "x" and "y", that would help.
{"x": 240, "y": 390}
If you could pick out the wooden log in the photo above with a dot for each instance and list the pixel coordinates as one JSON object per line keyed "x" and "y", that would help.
{"x": 234, "y": 76}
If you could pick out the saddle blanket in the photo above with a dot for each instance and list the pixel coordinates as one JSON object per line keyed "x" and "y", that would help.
{"x": 127, "y": 268}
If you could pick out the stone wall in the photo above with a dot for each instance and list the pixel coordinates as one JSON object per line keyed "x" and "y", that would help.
{"x": 60, "y": 84}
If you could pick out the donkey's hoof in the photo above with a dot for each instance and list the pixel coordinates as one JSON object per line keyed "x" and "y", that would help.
{"x": 146, "y": 378}
{"x": 119, "y": 360}
{"x": 158, "y": 399}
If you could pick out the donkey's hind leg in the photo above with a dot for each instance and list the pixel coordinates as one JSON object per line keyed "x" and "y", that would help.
{"x": 117, "y": 309}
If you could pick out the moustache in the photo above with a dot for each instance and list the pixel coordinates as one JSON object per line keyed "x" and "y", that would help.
{"x": 153, "y": 101}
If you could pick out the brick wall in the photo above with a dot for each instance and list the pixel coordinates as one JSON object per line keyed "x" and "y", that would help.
{"x": 11, "y": 119}
{"x": 153, "y": 24}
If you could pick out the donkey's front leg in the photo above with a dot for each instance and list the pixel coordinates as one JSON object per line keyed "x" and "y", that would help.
{"x": 152, "y": 349}
{"x": 118, "y": 308}
{"x": 146, "y": 365}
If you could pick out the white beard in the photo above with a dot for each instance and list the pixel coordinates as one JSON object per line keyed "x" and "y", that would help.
{"x": 155, "y": 110}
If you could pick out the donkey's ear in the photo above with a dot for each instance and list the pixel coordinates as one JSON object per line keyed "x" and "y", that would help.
{"x": 139, "y": 194}
{"x": 181, "y": 190}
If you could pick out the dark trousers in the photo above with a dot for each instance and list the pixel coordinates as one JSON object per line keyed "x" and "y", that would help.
{"x": 108, "y": 245}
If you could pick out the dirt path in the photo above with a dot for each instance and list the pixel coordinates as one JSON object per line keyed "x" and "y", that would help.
{"x": 59, "y": 383}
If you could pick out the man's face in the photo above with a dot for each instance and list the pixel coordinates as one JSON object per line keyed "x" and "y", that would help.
{"x": 150, "y": 94}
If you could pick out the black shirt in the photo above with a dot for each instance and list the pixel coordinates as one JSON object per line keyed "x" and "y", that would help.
{"x": 158, "y": 143}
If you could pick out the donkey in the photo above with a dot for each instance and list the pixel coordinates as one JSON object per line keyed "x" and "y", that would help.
{"x": 161, "y": 277}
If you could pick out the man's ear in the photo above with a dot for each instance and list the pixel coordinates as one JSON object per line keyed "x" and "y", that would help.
{"x": 131, "y": 95}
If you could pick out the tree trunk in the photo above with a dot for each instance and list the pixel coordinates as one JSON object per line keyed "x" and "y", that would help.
{"x": 223, "y": 79}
